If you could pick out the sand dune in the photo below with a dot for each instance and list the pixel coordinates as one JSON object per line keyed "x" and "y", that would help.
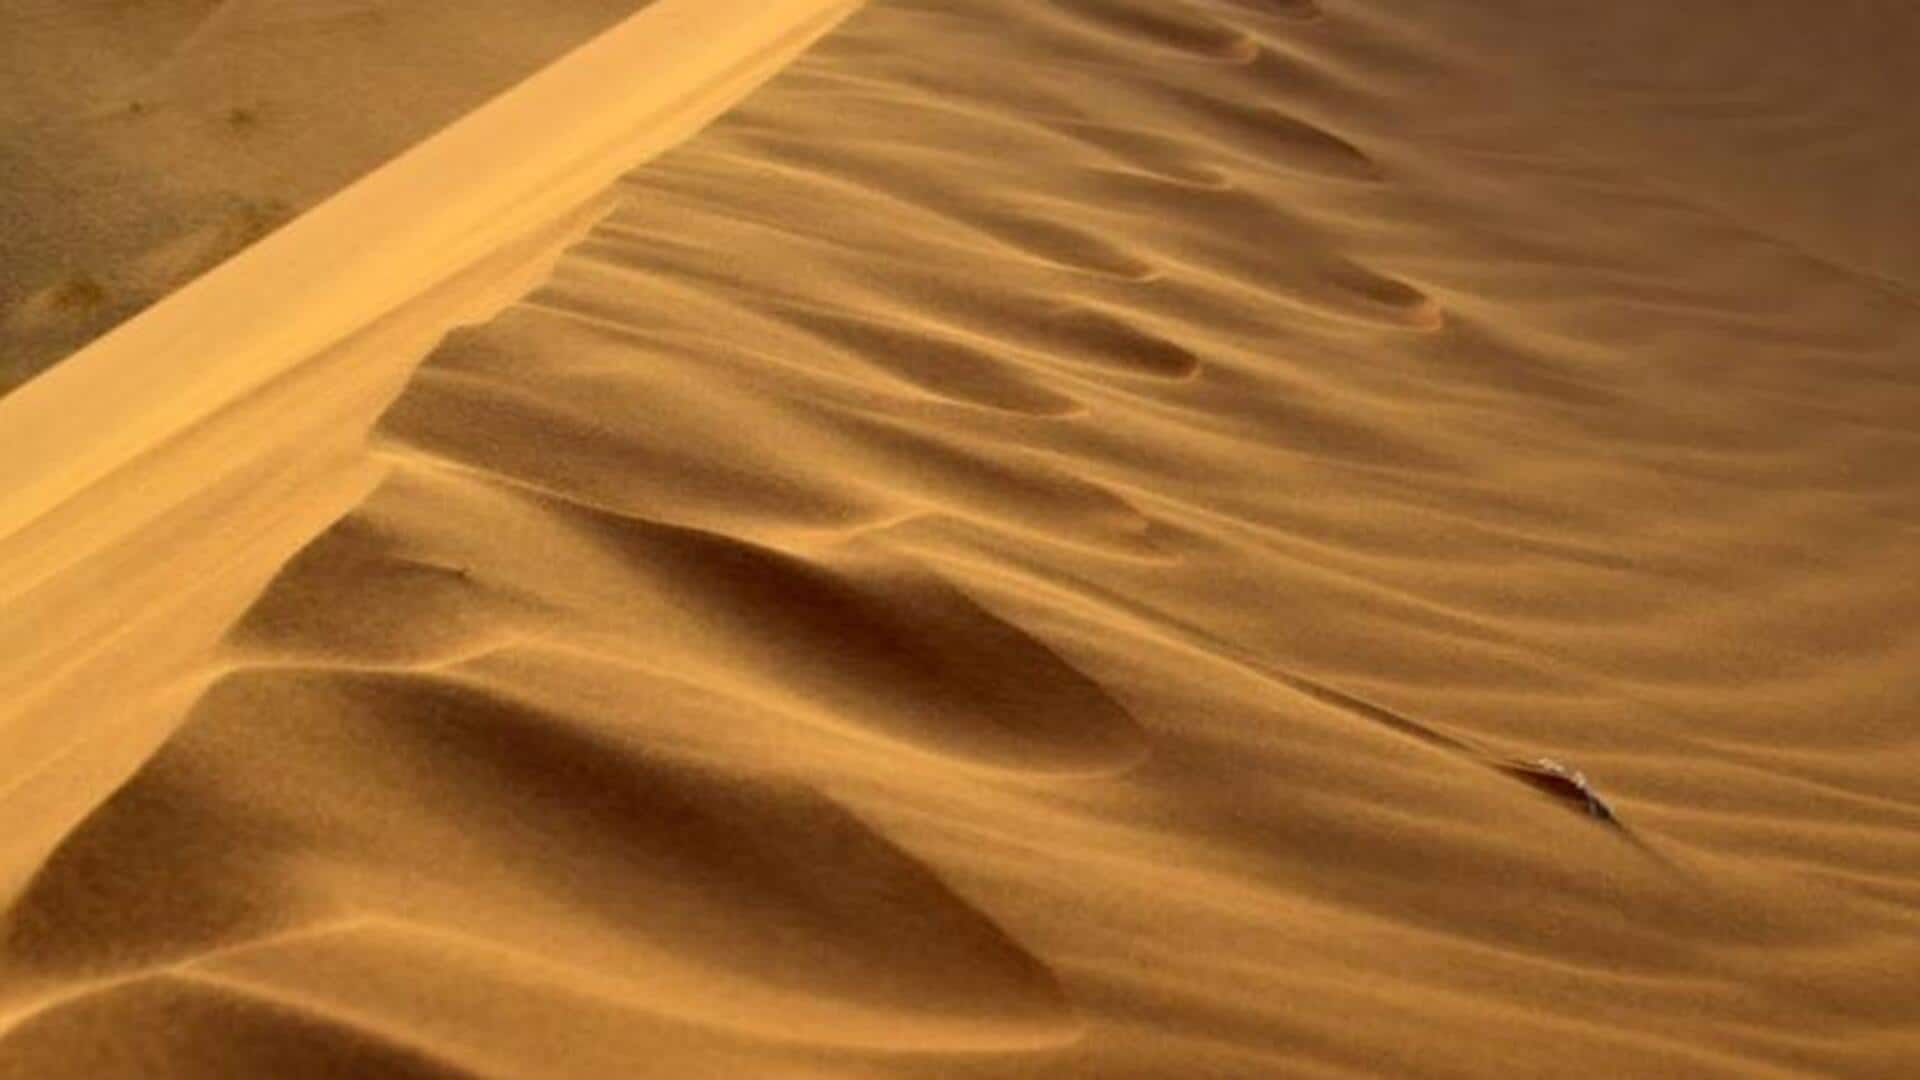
{"x": 142, "y": 144}
{"x": 1088, "y": 537}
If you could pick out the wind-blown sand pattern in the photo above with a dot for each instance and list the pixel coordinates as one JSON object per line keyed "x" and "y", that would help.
{"x": 1123, "y": 538}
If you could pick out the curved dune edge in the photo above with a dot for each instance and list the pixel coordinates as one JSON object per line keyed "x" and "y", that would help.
{"x": 521, "y": 161}
{"x": 201, "y": 443}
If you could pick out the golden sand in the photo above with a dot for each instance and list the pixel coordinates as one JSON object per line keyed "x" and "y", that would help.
{"x": 1111, "y": 538}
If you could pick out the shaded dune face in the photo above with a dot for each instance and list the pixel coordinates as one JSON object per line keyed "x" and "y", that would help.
{"x": 1074, "y": 537}
{"x": 733, "y": 901}
{"x": 867, "y": 644}
{"x": 185, "y": 1026}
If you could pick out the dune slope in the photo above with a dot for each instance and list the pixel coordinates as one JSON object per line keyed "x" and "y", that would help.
{"x": 1088, "y": 537}
{"x": 142, "y": 144}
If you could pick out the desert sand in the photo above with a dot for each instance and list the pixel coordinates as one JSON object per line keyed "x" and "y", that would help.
{"x": 986, "y": 538}
{"x": 142, "y": 144}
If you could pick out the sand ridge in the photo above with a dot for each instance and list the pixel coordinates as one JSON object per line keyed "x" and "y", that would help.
{"x": 1074, "y": 538}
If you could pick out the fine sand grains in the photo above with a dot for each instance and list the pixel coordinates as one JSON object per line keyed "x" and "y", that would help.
{"x": 142, "y": 144}
{"x": 1123, "y": 538}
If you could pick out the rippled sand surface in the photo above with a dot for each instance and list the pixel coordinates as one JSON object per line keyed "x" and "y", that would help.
{"x": 1112, "y": 538}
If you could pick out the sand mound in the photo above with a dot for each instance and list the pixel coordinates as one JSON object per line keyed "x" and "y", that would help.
{"x": 1093, "y": 537}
